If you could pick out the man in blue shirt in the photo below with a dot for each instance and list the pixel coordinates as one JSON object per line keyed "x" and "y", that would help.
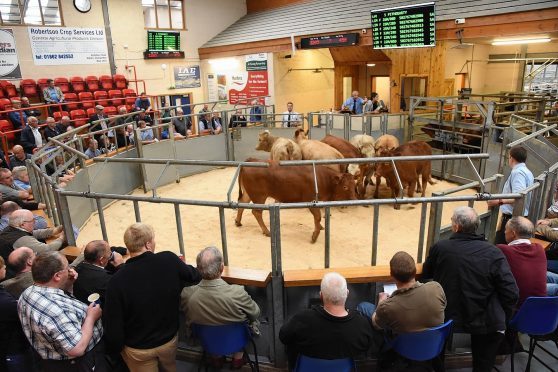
{"x": 52, "y": 94}
{"x": 142, "y": 103}
{"x": 519, "y": 179}
{"x": 18, "y": 118}
{"x": 354, "y": 103}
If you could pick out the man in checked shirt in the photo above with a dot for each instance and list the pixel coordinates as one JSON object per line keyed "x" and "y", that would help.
{"x": 65, "y": 332}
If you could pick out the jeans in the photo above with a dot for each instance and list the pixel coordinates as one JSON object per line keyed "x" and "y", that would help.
{"x": 551, "y": 284}
{"x": 367, "y": 309}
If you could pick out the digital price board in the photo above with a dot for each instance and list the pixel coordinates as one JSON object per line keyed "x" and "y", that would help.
{"x": 163, "y": 41}
{"x": 328, "y": 41}
{"x": 404, "y": 27}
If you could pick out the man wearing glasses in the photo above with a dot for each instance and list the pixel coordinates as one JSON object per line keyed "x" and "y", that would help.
{"x": 93, "y": 278}
{"x": 20, "y": 233}
{"x": 65, "y": 332}
{"x": 7, "y": 188}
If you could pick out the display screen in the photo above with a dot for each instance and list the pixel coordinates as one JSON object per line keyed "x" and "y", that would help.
{"x": 163, "y": 41}
{"x": 327, "y": 41}
{"x": 404, "y": 27}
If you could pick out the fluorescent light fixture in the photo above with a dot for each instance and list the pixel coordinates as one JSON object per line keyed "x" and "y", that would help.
{"x": 224, "y": 64}
{"x": 370, "y": 64}
{"x": 520, "y": 41}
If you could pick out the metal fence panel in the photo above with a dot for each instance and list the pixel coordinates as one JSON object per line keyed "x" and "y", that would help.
{"x": 202, "y": 148}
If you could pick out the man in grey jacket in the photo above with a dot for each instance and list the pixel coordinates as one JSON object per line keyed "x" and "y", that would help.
{"x": 214, "y": 302}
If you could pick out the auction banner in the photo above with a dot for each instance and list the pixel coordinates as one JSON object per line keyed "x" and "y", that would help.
{"x": 187, "y": 77}
{"x": 68, "y": 46}
{"x": 9, "y": 63}
{"x": 253, "y": 82}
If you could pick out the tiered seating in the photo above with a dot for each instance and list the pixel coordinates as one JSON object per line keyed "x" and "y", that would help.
{"x": 63, "y": 84}
{"x": 6, "y": 126}
{"x": 111, "y": 110}
{"x": 42, "y": 83}
{"x": 79, "y": 117}
{"x": 115, "y": 93}
{"x": 71, "y": 97}
{"x": 120, "y": 81}
{"x": 86, "y": 96}
{"x": 5, "y": 104}
{"x": 90, "y": 112}
{"x": 57, "y": 115}
{"x": 8, "y": 88}
{"x": 92, "y": 83}
{"x": 99, "y": 95}
{"x": 106, "y": 82}
{"x": 29, "y": 88}
{"x": 78, "y": 85}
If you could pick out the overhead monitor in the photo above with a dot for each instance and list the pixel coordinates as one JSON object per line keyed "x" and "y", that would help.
{"x": 408, "y": 26}
{"x": 328, "y": 41}
{"x": 163, "y": 41}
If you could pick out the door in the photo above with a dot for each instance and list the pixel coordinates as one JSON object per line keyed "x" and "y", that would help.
{"x": 412, "y": 86}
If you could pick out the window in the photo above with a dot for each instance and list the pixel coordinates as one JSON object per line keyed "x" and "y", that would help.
{"x": 163, "y": 14}
{"x": 30, "y": 12}
{"x": 541, "y": 78}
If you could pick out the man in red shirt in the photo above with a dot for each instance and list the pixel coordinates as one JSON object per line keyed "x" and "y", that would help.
{"x": 527, "y": 260}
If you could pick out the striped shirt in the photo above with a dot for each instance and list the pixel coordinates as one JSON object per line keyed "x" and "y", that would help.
{"x": 52, "y": 320}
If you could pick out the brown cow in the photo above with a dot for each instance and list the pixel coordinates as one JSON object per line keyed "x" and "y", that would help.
{"x": 316, "y": 150}
{"x": 280, "y": 148}
{"x": 291, "y": 185}
{"x": 408, "y": 171}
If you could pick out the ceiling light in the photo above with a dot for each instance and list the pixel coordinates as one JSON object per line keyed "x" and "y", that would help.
{"x": 370, "y": 64}
{"x": 520, "y": 41}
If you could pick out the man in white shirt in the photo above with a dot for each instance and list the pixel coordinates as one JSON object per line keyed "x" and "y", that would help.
{"x": 291, "y": 118}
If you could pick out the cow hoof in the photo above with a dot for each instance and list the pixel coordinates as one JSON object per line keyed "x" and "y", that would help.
{"x": 396, "y": 206}
{"x": 237, "y": 223}
{"x": 315, "y": 236}
{"x": 321, "y": 227}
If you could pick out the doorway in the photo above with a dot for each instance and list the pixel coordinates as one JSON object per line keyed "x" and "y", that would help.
{"x": 412, "y": 86}
{"x": 380, "y": 85}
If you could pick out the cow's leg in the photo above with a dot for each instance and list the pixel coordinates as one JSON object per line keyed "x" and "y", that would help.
{"x": 412, "y": 186}
{"x": 258, "y": 214}
{"x": 395, "y": 194}
{"x": 377, "y": 190}
{"x": 425, "y": 177}
{"x": 244, "y": 198}
{"x": 317, "y": 226}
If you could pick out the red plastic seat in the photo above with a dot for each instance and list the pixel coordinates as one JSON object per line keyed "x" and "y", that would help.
{"x": 69, "y": 98}
{"x": 111, "y": 110}
{"x": 79, "y": 117}
{"x": 115, "y": 94}
{"x": 63, "y": 84}
{"x": 2, "y": 93}
{"x": 57, "y": 115}
{"x": 78, "y": 85}
{"x": 129, "y": 93}
{"x": 90, "y": 112}
{"x": 6, "y": 126}
{"x": 11, "y": 91}
{"x": 5, "y": 104}
{"x": 86, "y": 96}
{"x": 106, "y": 82}
{"x": 92, "y": 83}
{"x": 42, "y": 83}
{"x": 99, "y": 95}
{"x": 28, "y": 87}
{"x": 120, "y": 81}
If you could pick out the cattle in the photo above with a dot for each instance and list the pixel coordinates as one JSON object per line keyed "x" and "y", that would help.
{"x": 409, "y": 171}
{"x": 316, "y": 150}
{"x": 365, "y": 144}
{"x": 280, "y": 148}
{"x": 364, "y": 173}
{"x": 385, "y": 142}
{"x": 291, "y": 185}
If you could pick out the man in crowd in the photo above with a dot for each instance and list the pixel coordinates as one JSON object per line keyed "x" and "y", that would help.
{"x": 291, "y": 118}
{"x": 146, "y": 135}
{"x": 374, "y": 105}
{"x": 413, "y": 307}
{"x": 142, "y": 103}
{"x": 93, "y": 278}
{"x": 51, "y": 130}
{"x": 19, "y": 157}
{"x": 7, "y": 188}
{"x": 6, "y": 210}
{"x": 26, "y": 105}
{"x": 20, "y": 233}
{"x": 142, "y": 116}
{"x": 93, "y": 149}
{"x": 63, "y": 125}
{"x": 519, "y": 179}
{"x": 18, "y": 118}
{"x": 216, "y": 123}
{"x": 142, "y": 302}
{"x": 21, "y": 179}
{"x": 238, "y": 119}
{"x": 205, "y": 125}
{"x": 58, "y": 326}
{"x": 31, "y": 138}
{"x": 480, "y": 289}
{"x": 130, "y": 134}
{"x": 214, "y": 302}
{"x": 101, "y": 122}
{"x": 182, "y": 124}
{"x": 203, "y": 111}
{"x": 52, "y": 94}
{"x": 329, "y": 331}
{"x": 256, "y": 111}
{"x": 13, "y": 344}
{"x": 354, "y": 103}
{"x": 527, "y": 261}
{"x": 20, "y": 261}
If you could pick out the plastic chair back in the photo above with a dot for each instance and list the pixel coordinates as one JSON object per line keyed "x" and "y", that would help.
{"x": 537, "y": 316}
{"x": 86, "y": 96}
{"x": 78, "y": 85}
{"x": 222, "y": 339}
{"x": 307, "y": 364}
{"x": 6, "y": 126}
{"x": 424, "y": 345}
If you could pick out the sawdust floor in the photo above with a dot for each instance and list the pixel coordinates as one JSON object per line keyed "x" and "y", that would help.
{"x": 351, "y": 228}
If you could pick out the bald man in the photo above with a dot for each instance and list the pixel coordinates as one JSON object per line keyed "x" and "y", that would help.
{"x": 20, "y": 261}
{"x": 92, "y": 276}
{"x": 9, "y": 207}
{"x": 20, "y": 233}
{"x": 19, "y": 157}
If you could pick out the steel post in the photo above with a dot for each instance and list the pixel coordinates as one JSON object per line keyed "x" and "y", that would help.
{"x": 179, "y": 229}
{"x": 375, "y": 222}
{"x": 223, "y": 235}
{"x": 137, "y": 211}
{"x": 327, "y": 237}
{"x": 66, "y": 217}
{"x": 102, "y": 219}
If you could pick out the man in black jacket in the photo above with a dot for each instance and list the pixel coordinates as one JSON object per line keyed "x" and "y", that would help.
{"x": 31, "y": 138}
{"x": 92, "y": 276}
{"x": 480, "y": 288}
{"x": 140, "y": 316}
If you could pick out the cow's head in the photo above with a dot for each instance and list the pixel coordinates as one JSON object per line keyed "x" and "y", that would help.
{"x": 344, "y": 188}
{"x": 264, "y": 141}
{"x": 300, "y": 135}
{"x": 383, "y": 169}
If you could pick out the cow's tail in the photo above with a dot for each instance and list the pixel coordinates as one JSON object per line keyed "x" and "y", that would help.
{"x": 239, "y": 186}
